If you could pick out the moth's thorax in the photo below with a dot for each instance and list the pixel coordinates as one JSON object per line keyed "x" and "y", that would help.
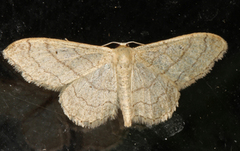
{"x": 124, "y": 68}
{"x": 124, "y": 63}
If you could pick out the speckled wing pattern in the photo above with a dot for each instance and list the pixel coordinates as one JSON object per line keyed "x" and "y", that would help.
{"x": 154, "y": 96}
{"x": 53, "y": 63}
{"x": 163, "y": 68}
{"x": 184, "y": 59}
{"x": 90, "y": 100}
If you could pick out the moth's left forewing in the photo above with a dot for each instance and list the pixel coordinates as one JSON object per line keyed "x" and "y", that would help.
{"x": 184, "y": 59}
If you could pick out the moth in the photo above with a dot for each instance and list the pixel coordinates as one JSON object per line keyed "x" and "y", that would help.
{"x": 95, "y": 81}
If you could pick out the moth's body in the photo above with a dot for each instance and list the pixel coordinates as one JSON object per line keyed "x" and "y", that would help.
{"x": 124, "y": 68}
{"x": 94, "y": 81}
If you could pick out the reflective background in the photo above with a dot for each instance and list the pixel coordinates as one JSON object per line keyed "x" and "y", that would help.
{"x": 208, "y": 116}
